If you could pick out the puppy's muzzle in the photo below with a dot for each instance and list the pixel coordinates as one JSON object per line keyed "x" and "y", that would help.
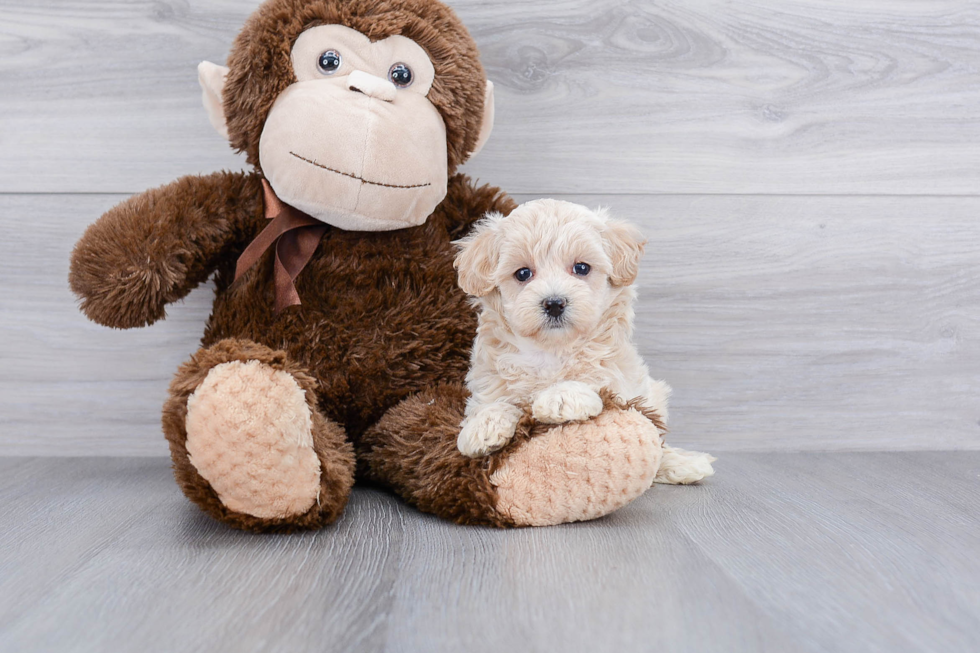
{"x": 554, "y": 307}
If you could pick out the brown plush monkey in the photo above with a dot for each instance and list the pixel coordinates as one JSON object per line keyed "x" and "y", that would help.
{"x": 339, "y": 339}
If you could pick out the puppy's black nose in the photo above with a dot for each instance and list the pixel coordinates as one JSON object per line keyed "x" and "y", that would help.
{"x": 554, "y": 306}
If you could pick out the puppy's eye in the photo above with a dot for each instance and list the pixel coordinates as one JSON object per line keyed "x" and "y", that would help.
{"x": 581, "y": 269}
{"x": 329, "y": 62}
{"x": 523, "y": 274}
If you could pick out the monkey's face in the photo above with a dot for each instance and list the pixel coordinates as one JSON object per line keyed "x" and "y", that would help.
{"x": 355, "y": 140}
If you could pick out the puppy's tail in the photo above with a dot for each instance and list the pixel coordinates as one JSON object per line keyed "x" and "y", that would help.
{"x": 682, "y": 467}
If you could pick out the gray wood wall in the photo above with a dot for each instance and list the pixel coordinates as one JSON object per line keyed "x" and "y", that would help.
{"x": 808, "y": 173}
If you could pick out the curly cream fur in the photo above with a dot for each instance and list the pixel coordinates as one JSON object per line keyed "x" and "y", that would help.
{"x": 522, "y": 356}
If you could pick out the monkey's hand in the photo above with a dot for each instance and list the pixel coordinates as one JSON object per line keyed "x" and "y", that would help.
{"x": 568, "y": 401}
{"x": 156, "y": 247}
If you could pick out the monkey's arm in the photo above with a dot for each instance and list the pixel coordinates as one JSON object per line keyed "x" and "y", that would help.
{"x": 156, "y": 247}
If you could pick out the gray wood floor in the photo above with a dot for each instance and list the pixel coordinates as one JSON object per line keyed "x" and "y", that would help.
{"x": 778, "y": 552}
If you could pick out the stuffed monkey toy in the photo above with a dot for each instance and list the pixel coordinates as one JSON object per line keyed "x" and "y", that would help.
{"x": 339, "y": 339}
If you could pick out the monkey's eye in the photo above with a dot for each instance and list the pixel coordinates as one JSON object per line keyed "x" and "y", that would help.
{"x": 582, "y": 269}
{"x": 523, "y": 274}
{"x": 329, "y": 62}
{"x": 401, "y": 75}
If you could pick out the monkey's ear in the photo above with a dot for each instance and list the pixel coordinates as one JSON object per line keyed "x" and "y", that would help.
{"x": 477, "y": 256}
{"x": 487, "y": 125}
{"x": 212, "y": 79}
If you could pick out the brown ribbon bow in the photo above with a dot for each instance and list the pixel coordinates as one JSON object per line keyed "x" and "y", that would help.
{"x": 296, "y": 236}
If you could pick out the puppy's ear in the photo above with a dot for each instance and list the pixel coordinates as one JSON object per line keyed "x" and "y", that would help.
{"x": 477, "y": 257}
{"x": 624, "y": 244}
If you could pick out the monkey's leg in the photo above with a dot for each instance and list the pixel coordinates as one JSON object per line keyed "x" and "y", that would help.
{"x": 546, "y": 475}
{"x": 249, "y": 444}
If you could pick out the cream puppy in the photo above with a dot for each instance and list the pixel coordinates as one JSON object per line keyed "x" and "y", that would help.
{"x": 553, "y": 283}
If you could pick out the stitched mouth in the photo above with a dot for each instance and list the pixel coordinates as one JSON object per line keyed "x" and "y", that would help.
{"x": 360, "y": 179}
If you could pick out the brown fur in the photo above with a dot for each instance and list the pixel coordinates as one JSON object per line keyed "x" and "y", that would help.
{"x": 381, "y": 319}
{"x": 260, "y": 67}
{"x": 335, "y": 452}
{"x": 382, "y": 316}
{"x": 157, "y": 246}
{"x": 412, "y": 450}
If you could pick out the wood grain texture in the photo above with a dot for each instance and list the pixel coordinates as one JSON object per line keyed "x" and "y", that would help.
{"x": 594, "y": 96}
{"x": 778, "y": 552}
{"x": 786, "y": 323}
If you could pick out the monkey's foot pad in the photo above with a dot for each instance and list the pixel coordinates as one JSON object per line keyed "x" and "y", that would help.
{"x": 249, "y": 434}
{"x": 579, "y": 471}
{"x": 546, "y": 475}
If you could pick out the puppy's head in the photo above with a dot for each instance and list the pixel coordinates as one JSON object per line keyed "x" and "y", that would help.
{"x": 552, "y": 268}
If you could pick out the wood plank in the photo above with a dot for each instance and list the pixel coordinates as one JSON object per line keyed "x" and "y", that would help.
{"x": 303, "y": 585}
{"x": 593, "y": 96}
{"x": 72, "y": 387}
{"x": 808, "y": 343}
{"x": 777, "y": 552}
{"x": 69, "y": 510}
{"x": 783, "y": 323}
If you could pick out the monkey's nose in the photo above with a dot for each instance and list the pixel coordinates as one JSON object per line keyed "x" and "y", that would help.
{"x": 554, "y": 306}
{"x": 371, "y": 86}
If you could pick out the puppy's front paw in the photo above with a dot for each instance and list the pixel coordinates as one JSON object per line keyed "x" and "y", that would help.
{"x": 488, "y": 430}
{"x": 568, "y": 401}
